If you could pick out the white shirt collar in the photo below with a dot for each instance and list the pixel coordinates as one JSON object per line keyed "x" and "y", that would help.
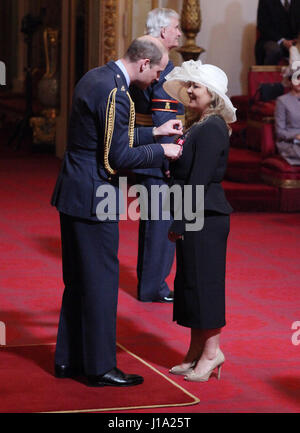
{"x": 124, "y": 70}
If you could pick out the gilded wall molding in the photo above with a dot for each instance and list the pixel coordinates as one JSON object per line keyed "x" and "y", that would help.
{"x": 110, "y": 30}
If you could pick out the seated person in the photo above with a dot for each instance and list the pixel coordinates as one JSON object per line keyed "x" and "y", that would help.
{"x": 278, "y": 22}
{"x": 287, "y": 121}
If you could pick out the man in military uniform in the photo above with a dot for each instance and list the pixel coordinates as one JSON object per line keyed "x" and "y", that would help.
{"x": 101, "y": 138}
{"x": 154, "y": 107}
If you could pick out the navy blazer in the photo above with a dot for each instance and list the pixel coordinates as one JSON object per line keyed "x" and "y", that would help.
{"x": 158, "y": 104}
{"x": 203, "y": 162}
{"x": 83, "y": 169}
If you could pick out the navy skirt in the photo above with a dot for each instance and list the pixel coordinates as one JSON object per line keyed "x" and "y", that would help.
{"x": 199, "y": 286}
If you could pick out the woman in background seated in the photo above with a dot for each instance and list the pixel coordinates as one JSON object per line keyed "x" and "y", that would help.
{"x": 287, "y": 121}
{"x": 199, "y": 286}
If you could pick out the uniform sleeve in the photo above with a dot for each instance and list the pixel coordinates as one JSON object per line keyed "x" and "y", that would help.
{"x": 120, "y": 154}
{"x": 208, "y": 144}
{"x": 163, "y": 108}
{"x": 143, "y": 135}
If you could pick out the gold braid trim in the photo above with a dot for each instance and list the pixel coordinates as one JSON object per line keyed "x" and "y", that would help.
{"x": 131, "y": 121}
{"x": 109, "y": 128}
{"x": 110, "y": 124}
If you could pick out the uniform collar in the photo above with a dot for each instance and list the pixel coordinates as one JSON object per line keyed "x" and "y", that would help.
{"x": 119, "y": 75}
{"x": 124, "y": 70}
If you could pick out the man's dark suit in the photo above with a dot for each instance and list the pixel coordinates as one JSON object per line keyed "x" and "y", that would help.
{"x": 155, "y": 252}
{"x": 87, "y": 328}
{"x": 275, "y": 23}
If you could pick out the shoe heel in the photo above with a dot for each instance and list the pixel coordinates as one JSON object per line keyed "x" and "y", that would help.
{"x": 219, "y": 371}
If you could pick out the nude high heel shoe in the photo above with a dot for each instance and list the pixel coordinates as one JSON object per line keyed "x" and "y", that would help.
{"x": 177, "y": 369}
{"x": 192, "y": 376}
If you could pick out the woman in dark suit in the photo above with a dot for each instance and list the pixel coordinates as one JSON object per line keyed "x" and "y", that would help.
{"x": 199, "y": 286}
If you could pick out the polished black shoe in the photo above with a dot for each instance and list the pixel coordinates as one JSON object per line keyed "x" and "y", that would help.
{"x": 65, "y": 371}
{"x": 115, "y": 377}
{"x": 167, "y": 299}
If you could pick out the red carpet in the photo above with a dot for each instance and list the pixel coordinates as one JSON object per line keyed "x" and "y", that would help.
{"x": 262, "y": 368}
{"x": 28, "y": 384}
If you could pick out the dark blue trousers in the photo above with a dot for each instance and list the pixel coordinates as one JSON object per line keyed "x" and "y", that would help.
{"x": 155, "y": 251}
{"x": 87, "y": 326}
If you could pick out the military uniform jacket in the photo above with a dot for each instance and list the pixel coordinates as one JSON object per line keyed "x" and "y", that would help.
{"x": 154, "y": 107}
{"x": 100, "y": 139}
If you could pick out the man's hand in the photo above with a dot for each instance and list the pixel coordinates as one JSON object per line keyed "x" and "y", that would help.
{"x": 173, "y": 237}
{"x": 172, "y": 151}
{"x": 171, "y": 127}
{"x": 287, "y": 43}
{"x": 297, "y": 137}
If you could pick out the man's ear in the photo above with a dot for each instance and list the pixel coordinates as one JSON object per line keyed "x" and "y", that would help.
{"x": 145, "y": 64}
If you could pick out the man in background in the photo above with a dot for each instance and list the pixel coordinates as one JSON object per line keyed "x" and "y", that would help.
{"x": 154, "y": 107}
{"x": 278, "y": 23}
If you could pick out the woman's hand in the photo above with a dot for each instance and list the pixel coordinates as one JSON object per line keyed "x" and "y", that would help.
{"x": 297, "y": 137}
{"x": 171, "y": 127}
{"x": 173, "y": 237}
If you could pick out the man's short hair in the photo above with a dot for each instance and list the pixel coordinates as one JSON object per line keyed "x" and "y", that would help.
{"x": 143, "y": 48}
{"x": 159, "y": 18}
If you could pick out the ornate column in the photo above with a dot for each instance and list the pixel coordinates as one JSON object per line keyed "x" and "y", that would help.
{"x": 44, "y": 126}
{"x": 190, "y": 25}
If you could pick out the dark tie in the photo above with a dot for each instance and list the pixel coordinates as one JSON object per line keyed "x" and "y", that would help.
{"x": 286, "y": 5}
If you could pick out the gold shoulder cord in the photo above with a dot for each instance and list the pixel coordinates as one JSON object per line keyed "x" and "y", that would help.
{"x": 109, "y": 128}
{"x": 110, "y": 124}
{"x": 131, "y": 121}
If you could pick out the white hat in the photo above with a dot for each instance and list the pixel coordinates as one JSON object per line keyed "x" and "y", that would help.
{"x": 209, "y": 76}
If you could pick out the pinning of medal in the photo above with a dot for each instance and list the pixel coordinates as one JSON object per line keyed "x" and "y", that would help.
{"x": 180, "y": 142}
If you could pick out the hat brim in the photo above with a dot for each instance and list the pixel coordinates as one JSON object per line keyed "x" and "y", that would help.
{"x": 178, "y": 90}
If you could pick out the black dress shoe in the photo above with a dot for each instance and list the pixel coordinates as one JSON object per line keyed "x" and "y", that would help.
{"x": 65, "y": 371}
{"x": 167, "y": 299}
{"x": 115, "y": 377}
